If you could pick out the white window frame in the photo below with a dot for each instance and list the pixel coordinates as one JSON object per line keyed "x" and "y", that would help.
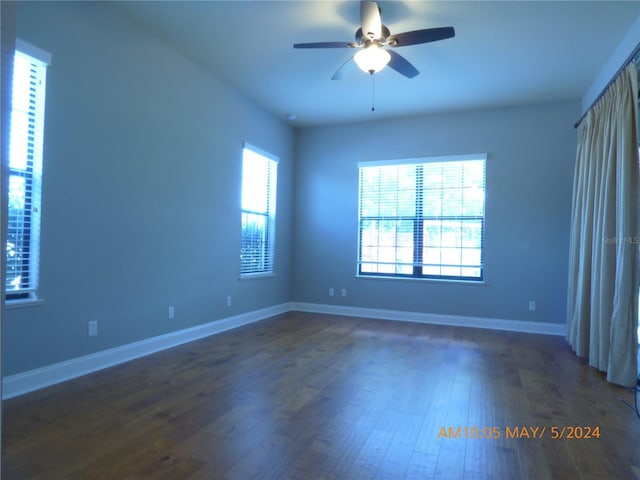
{"x": 395, "y": 217}
{"x": 258, "y": 209}
{"x": 26, "y": 134}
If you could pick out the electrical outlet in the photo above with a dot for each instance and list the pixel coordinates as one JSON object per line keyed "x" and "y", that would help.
{"x": 228, "y": 300}
{"x": 93, "y": 328}
{"x": 172, "y": 312}
{"x": 331, "y": 292}
{"x": 343, "y": 292}
{"x": 532, "y": 306}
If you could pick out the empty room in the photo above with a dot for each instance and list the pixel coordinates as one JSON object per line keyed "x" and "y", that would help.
{"x": 320, "y": 240}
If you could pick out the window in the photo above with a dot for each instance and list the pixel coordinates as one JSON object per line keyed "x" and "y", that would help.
{"x": 25, "y": 171}
{"x": 259, "y": 175}
{"x": 422, "y": 218}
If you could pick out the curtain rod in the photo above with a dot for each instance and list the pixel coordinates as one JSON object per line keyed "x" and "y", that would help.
{"x": 633, "y": 57}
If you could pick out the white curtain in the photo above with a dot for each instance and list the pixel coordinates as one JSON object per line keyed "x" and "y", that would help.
{"x": 602, "y": 303}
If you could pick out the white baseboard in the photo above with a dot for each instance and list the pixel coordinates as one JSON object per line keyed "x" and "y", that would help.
{"x": 25, "y": 382}
{"x": 545, "y": 328}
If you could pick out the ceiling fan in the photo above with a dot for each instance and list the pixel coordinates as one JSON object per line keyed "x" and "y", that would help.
{"x": 373, "y": 36}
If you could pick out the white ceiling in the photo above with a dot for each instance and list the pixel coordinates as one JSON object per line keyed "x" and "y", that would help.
{"x": 504, "y": 52}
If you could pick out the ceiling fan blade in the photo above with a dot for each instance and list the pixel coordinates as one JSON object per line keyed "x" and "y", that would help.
{"x": 370, "y": 20}
{"x": 402, "y": 65}
{"x": 326, "y": 45}
{"x": 420, "y": 36}
{"x": 344, "y": 70}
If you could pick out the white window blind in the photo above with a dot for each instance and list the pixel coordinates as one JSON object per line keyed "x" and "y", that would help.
{"x": 25, "y": 171}
{"x": 422, "y": 218}
{"x": 259, "y": 178}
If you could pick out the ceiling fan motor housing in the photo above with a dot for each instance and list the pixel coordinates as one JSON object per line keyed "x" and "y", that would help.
{"x": 361, "y": 38}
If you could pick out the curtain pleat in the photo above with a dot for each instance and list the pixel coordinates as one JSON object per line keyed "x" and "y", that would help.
{"x": 602, "y": 303}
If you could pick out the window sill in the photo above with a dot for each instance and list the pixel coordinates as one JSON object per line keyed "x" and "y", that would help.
{"x": 23, "y": 303}
{"x": 251, "y": 276}
{"x": 416, "y": 279}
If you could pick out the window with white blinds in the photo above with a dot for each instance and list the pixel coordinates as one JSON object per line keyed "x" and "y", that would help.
{"x": 422, "y": 218}
{"x": 259, "y": 178}
{"x": 25, "y": 171}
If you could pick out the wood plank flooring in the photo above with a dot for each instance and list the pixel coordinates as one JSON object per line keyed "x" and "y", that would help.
{"x": 309, "y": 396}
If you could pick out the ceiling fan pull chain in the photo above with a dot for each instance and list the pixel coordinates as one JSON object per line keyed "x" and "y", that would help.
{"x": 373, "y": 93}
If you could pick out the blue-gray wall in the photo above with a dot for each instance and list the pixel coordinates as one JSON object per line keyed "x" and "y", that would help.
{"x": 531, "y": 153}
{"x": 141, "y": 198}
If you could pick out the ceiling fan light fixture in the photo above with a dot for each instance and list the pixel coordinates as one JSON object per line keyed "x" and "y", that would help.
{"x": 372, "y": 59}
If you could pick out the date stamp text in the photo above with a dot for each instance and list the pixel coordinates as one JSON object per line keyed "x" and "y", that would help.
{"x": 569, "y": 432}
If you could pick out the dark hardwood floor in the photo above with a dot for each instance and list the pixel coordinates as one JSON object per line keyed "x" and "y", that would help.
{"x": 309, "y": 396}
